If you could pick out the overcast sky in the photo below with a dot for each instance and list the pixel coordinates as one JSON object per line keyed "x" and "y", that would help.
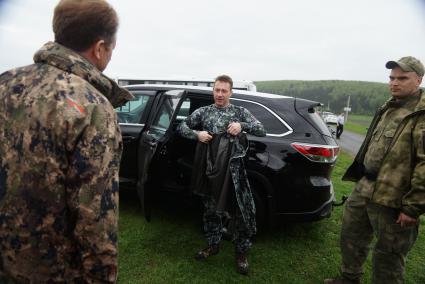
{"x": 247, "y": 39}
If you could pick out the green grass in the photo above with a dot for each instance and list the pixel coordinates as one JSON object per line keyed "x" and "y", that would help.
{"x": 358, "y": 123}
{"x": 352, "y": 127}
{"x": 162, "y": 251}
{"x": 360, "y": 119}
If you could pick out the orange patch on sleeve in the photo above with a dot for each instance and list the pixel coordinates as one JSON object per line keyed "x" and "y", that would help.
{"x": 75, "y": 105}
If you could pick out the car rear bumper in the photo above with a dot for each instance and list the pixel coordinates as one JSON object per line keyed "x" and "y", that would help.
{"x": 323, "y": 211}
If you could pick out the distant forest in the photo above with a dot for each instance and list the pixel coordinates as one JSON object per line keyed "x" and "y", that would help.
{"x": 365, "y": 97}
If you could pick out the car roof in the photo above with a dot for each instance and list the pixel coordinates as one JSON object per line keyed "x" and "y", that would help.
{"x": 237, "y": 84}
{"x": 203, "y": 89}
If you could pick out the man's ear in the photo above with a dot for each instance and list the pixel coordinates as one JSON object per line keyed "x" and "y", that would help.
{"x": 97, "y": 47}
{"x": 94, "y": 53}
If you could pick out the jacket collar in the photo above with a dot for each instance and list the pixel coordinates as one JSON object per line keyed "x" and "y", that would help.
{"x": 70, "y": 61}
{"x": 421, "y": 103}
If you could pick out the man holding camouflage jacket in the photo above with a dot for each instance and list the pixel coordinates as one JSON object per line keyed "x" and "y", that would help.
{"x": 389, "y": 170}
{"x": 218, "y": 129}
{"x": 60, "y": 154}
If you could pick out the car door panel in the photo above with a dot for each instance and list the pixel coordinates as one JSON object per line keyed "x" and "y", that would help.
{"x": 157, "y": 131}
{"x": 132, "y": 117}
{"x": 176, "y": 156}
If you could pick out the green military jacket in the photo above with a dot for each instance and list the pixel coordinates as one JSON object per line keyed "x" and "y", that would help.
{"x": 400, "y": 181}
{"x": 59, "y": 161}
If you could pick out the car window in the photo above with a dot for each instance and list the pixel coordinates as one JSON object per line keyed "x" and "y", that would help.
{"x": 184, "y": 110}
{"x": 272, "y": 124}
{"x": 133, "y": 110}
{"x": 190, "y": 104}
{"x": 163, "y": 118}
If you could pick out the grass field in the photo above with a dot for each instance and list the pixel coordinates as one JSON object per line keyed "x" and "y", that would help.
{"x": 162, "y": 251}
{"x": 358, "y": 123}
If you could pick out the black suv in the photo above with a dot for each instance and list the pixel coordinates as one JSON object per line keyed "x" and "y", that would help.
{"x": 289, "y": 169}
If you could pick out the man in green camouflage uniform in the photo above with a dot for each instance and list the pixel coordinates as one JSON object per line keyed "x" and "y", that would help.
{"x": 389, "y": 170}
{"x": 215, "y": 119}
{"x": 60, "y": 153}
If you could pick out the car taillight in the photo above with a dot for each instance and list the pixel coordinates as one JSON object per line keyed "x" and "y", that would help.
{"x": 317, "y": 153}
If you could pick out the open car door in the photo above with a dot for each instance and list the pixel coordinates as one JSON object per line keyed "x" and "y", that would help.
{"x": 157, "y": 132}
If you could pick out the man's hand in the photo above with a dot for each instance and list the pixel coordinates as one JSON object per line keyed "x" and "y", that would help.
{"x": 204, "y": 137}
{"x": 234, "y": 128}
{"x": 405, "y": 220}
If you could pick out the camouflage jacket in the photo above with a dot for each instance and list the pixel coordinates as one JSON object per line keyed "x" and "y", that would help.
{"x": 218, "y": 164}
{"x": 215, "y": 120}
{"x": 59, "y": 159}
{"x": 400, "y": 180}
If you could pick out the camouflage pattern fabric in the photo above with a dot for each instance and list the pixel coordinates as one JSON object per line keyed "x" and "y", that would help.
{"x": 385, "y": 130}
{"x": 212, "y": 221}
{"x": 390, "y": 170}
{"x": 400, "y": 181}
{"x": 362, "y": 220}
{"x": 244, "y": 198}
{"x": 59, "y": 164}
{"x": 213, "y": 226}
{"x": 215, "y": 120}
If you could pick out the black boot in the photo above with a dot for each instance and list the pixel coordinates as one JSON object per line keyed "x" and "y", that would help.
{"x": 242, "y": 265}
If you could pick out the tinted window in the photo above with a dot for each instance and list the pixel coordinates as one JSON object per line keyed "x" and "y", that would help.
{"x": 184, "y": 110}
{"x": 133, "y": 110}
{"x": 190, "y": 104}
{"x": 165, "y": 114}
{"x": 272, "y": 124}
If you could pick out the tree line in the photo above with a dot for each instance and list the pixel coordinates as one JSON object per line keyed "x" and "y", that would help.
{"x": 365, "y": 97}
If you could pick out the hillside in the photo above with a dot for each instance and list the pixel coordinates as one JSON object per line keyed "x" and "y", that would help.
{"x": 365, "y": 97}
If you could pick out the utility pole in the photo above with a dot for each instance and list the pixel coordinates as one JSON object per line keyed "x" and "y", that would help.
{"x": 347, "y": 109}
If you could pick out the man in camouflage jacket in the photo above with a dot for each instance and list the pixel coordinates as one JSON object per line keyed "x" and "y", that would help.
{"x": 60, "y": 153}
{"x": 213, "y": 121}
{"x": 389, "y": 170}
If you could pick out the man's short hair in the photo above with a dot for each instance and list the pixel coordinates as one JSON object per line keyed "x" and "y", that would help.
{"x": 77, "y": 24}
{"x": 226, "y": 79}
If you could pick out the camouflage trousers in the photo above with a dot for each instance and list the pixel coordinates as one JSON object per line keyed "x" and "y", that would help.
{"x": 213, "y": 226}
{"x": 362, "y": 220}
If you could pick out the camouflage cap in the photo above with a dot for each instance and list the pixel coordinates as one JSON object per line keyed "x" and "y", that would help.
{"x": 407, "y": 64}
